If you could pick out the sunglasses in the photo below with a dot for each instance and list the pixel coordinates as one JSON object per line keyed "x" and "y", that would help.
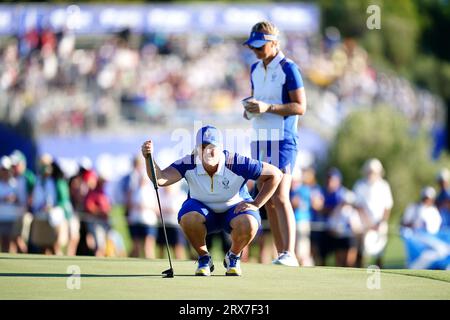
{"x": 257, "y": 49}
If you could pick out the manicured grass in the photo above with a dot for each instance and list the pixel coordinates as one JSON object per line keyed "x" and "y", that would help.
{"x": 46, "y": 277}
{"x": 394, "y": 255}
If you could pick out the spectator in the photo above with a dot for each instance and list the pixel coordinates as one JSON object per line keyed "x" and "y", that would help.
{"x": 8, "y": 201}
{"x": 130, "y": 182}
{"x": 172, "y": 198}
{"x": 301, "y": 197}
{"x": 97, "y": 207}
{"x": 443, "y": 180}
{"x": 78, "y": 189}
{"x": 47, "y": 218}
{"x": 142, "y": 216}
{"x": 308, "y": 200}
{"x": 374, "y": 200}
{"x": 25, "y": 180}
{"x": 344, "y": 225}
{"x": 333, "y": 194}
{"x": 70, "y": 226}
{"x": 423, "y": 215}
{"x": 444, "y": 211}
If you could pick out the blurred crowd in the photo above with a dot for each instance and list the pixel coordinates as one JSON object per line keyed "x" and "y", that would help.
{"x": 353, "y": 224}
{"x": 51, "y": 213}
{"x": 68, "y": 84}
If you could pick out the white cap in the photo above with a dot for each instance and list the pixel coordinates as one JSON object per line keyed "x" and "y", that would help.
{"x": 373, "y": 165}
{"x": 443, "y": 175}
{"x": 86, "y": 163}
{"x": 349, "y": 197}
{"x": 17, "y": 157}
{"x": 46, "y": 159}
{"x": 5, "y": 162}
{"x": 428, "y": 192}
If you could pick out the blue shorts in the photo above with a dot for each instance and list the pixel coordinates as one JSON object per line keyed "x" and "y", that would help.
{"x": 282, "y": 154}
{"x": 215, "y": 222}
{"x": 141, "y": 231}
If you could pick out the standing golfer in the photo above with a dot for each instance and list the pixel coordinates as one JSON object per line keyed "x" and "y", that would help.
{"x": 218, "y": 198}
{"x": 278, "y": 98}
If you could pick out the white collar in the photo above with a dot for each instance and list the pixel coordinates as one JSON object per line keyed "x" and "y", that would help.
{"x": 272, "y": 64}
{"x": 220, "y": 169}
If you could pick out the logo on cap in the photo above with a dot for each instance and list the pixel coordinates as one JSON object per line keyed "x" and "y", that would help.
{"x": 207, "y": 135}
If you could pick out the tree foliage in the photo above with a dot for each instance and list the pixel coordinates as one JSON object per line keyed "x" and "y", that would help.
{"x": 412, "y": 39}
{"x": 385, "y": 134}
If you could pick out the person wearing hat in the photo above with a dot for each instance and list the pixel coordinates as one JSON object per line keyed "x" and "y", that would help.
{"x": 423, "y": 215}
{"x": 374, "y": 201}
{"x": 25, "y": 180}
{"x": 277, "y": 100}
{"x": 46, "y": 217}
{"x": 24, "y": 176}
{"x": 443, "y": 180}
{"x": 307, "y": 200}
{"x": 332, "y": 194}
{"x": 218, "y": 198}
{"x": 78, "y": 189}
{"x": 8, "y": 201}
{"x": 344, "y": 224}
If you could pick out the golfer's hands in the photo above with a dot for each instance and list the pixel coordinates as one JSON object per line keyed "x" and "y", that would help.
{"x": 245, "y": 206}
{"x": 147, "y": 148}
{"x": 255, "y": 106}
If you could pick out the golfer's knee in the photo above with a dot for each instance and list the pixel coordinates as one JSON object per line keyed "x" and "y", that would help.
{"x": 245, "y": 224}
{"x": 192, "y": 218}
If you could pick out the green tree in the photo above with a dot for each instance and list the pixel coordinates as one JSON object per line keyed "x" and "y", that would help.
{"x": 385, "y": 134}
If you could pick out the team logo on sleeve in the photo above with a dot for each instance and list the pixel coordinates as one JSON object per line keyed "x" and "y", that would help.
{"x": 225, "y": 183}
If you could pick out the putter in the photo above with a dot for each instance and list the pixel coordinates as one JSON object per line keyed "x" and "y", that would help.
{"x": 169, "y": 272}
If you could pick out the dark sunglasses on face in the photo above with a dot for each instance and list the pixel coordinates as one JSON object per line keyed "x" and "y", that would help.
{"x": 257, "y": 49}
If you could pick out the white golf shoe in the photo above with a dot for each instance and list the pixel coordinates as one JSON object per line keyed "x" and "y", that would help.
{"x": 286, "y": 259}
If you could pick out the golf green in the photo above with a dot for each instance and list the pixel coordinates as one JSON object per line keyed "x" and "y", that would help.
{"x": 50, "y": 277}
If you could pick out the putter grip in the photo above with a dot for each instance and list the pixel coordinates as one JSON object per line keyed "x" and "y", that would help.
{"x": 152, "y": 168}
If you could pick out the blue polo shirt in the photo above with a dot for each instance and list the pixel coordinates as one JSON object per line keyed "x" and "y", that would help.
{"x": 272, "y": 85}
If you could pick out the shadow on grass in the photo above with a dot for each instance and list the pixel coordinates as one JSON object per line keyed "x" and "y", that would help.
{"x": 79, "y": 258}
{"x": 66, "y": 275}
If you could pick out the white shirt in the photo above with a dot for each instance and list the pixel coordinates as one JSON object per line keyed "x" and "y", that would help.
{"x": 421, "y": 216}
{"x": 226, "y": 187}
{"x": 171, "y": 203}
{"x": 272, "y": 85}
{"x": 374, "y": 198}
{"x": 143, "y": 203}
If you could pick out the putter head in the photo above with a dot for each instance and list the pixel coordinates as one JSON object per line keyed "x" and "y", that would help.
{"x": 168, "y": 273}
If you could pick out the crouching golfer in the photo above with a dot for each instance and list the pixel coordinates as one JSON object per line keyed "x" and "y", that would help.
{"x": 218, "y": 198}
